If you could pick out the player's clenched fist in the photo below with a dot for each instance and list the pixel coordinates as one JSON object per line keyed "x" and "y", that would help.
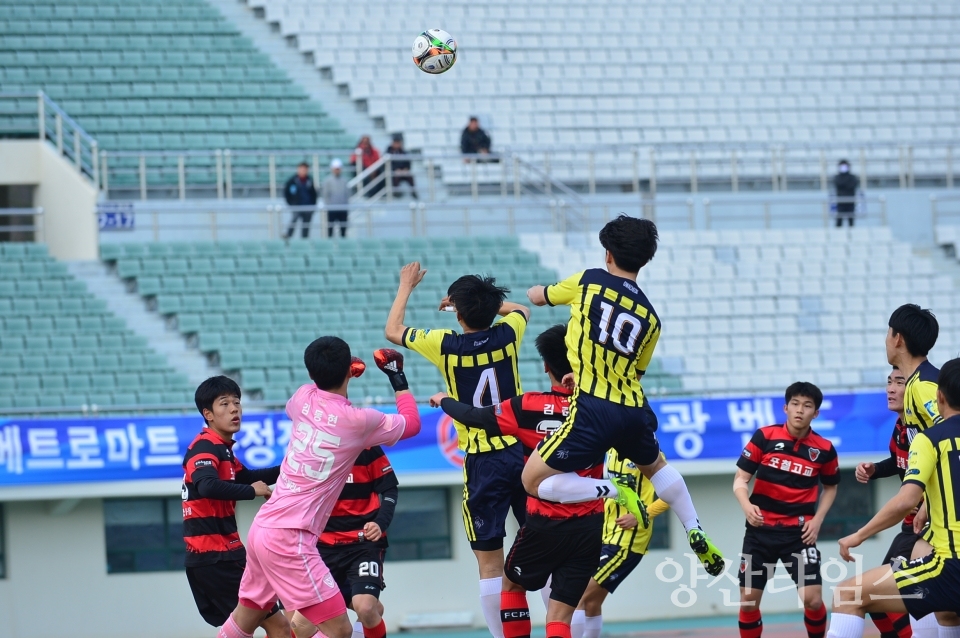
{"x": 390, "y": 363}
{"x": 411, "y": 275}
{"x": 357, "y": 367}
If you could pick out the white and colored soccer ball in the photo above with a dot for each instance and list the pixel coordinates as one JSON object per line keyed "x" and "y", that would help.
{"x": 434, "y": 51}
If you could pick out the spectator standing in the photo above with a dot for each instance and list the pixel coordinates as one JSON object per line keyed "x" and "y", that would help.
{"x": 400, "y": 167}
{"x": 845, "y": 183}
{"x": 336, "y": 198}
{"x": 368, "y": 155}
{"x": 474, "y": 140}
{"x": 300, "y": 192}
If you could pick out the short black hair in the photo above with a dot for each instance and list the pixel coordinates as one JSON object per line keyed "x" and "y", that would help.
{"x": 212, "y": 389}
{"x": 843, "y": 161}
{"x": 949, "y": 383}
{"x": 553, "y": 350}
{"x": 918, "y": 327}
{"x": 328, "y": 362}
{"x": 303, "y": 164}
{"x": 804, "y": 389}
{"x": 478, "y": 299}
{"x": 631, "y": 240}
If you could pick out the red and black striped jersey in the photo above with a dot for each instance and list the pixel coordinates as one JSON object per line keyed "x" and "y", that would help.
{"x": 213, "y": 481}
{"x": 896, "y": 463}
{"x": 359, "y": 502}
{"x": 531, "y": 417}
{"x": 788, "y": 473}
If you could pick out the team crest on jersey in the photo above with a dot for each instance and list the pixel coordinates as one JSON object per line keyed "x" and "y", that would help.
{"x": 929, "y": 405}
{"x": 814, "y": 453}
{"x": 743, "y": 565}
{"x": 747, "y": 453}
{"x": 778, "y": 447}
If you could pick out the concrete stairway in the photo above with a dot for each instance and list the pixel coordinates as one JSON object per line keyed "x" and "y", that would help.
{"x": 131, "y": 307}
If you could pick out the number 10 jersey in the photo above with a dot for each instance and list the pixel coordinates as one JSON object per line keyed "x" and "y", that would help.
{"x": 612, "y": 332}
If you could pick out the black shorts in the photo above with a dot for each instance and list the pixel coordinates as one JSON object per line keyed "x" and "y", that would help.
{"x": 594, "y": 426}
{"x": 616, "y": 563}
{"x": 764, "y": 546}
{"x": 491, "y": 488}
{"x": 902, "y": 545}
{"x": 356, "y": 567}
{"x": 567, "y": 552}
{"x": 930, "y": 584}
{"x": 216, "y": 589}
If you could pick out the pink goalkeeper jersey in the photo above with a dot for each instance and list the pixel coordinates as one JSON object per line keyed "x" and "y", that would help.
{"x": 327, "y": 436}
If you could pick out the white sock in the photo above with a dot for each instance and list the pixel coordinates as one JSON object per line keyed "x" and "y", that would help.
{"x": 670, "y": 486}
{"x": 576, "y": 625}
{"x": 949, "y": 632}
{"x": 573, "y": 488}
{"x": 545, "y": 592}
{"x": 357, "y": 630}
{"x": 490, "y": 604}
{"x": 845, "y": 626}
{"x": 926, "y": 627}
{"x": 592, "y": 626}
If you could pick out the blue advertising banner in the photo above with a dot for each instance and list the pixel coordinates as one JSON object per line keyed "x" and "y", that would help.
{"x": 50, "y": 451}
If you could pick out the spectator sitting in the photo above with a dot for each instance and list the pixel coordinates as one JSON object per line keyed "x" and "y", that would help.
{"x": 474, "y": 140}
{"x": 368, "y": 156}
{"x": 336, "y": 198}
{"x": 400, "y": 167}
{"x": 300, "y": 192}
{"x": 845, "y": 183}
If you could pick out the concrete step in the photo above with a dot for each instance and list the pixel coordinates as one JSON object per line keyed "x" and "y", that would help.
{"x": 128, "y": 305}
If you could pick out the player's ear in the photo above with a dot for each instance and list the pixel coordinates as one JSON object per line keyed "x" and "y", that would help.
{"x": 207, "y": 415}
{"x": 785, "y": 405}
{"x": 816, "y": 413}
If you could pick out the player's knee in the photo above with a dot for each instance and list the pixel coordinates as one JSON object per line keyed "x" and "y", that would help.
{"x": 303, "y": 628}
{"x": 531, "y": 480}
{"x": 367, "y": 608}
{"x": 813, "y": 603}
{"x": 847, "y": 596}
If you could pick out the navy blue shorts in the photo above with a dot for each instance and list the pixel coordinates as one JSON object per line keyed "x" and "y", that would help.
{"x": 929, "y": 584}
{"x": 616, "y": 563}
{"x": 491, "y": 487}
{"x": 594, "y": 426}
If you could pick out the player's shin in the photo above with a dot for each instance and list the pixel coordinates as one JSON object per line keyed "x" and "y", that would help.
{"x": 751, "y": 623}
{"x": 515, "y": 614}
{"x": 815, "y": 621}
{"x": 490, "y": 605}
{"x": 845, "y": 626}
{"x": 892, "y": 625}
{"x": 577, "y": 623}
{"x": 592, "y": 626}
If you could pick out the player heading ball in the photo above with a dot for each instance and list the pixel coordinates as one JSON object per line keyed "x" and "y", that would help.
{"x": 611, "y": 336}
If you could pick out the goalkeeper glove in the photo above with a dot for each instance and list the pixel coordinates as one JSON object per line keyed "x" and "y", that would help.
{"x": 390, "y": 363}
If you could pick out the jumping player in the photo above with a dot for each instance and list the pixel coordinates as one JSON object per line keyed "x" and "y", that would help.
{"x": 557, "y": 542}
{"x": 625, "y": 541}
{"x": 911, "y": 335}
{"x": 611, "y": 336}
{"x": 213, "y": 481}
{"x": 355, "y": 539}
{"x": 929, "y": 584}
{"x": 480, "y": 368}
{"x": 790, "y": 462}
{"x": 327, "y": 437}
{"x": 894, "y": 625}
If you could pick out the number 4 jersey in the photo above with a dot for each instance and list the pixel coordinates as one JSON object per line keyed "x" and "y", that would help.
{"x": 327, "y": 437}
{"x": 612, "y": 332}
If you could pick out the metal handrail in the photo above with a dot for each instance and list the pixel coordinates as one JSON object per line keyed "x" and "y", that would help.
{"x": 36, "y": 227}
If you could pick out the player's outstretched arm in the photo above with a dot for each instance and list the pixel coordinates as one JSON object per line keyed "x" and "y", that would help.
{"x": 537, "y": 296}
{"x": 889, "y": 515}
{"x": 508, "y": 306}
{"x": 410, "y": 276}
{"x": 390, "y": 362}
{"x": 484, "y": 418}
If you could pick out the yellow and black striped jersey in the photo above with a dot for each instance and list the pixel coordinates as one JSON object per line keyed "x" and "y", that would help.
{"x": 636, "y": 539}
{"x": 612, "y": 332}
{"x": 479, "y": 368}
{"x": 920, "y": 399}
{"x": 934, "y": 465}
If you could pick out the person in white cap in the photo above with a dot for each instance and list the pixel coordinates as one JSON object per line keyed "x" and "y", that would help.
{"x": 336, "y": 197}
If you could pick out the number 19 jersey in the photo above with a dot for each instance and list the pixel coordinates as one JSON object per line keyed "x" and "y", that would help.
{"x": 612, "y": 332}
{"x": 479, "y": 368}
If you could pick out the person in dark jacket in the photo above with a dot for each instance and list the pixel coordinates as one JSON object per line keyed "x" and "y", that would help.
{"x": 299, "y": 191}
{"x": 474, "y": 140}
{"x": 400, "y": 167}
{"x": 845, "y": 183}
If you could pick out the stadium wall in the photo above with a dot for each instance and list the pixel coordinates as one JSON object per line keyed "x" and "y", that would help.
{"x": 56, "y": 558}
{"x": 68, "y": 199}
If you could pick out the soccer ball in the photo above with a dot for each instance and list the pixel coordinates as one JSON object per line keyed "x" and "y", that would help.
{"x": 434, "y": 51}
